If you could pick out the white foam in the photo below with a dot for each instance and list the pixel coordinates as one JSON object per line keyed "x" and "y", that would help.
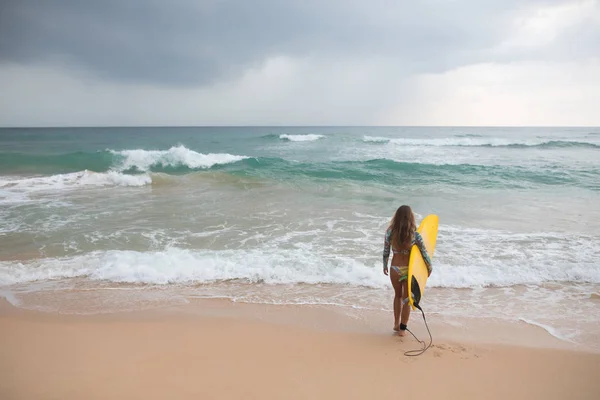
{"x": 552, "y": 331}
{"x": 464, "y": 141}
{"x": 10, "y": 297}
{"x": 375, "y": 139}
{"x": 16, "y": 189}
{"x": 468, "y": 258}
{"x": 464, "y": 258}
{"x": 301, "y": 138}
{"x": 176, "y": 265}
{"x": 10, "y": 197}
{"x": 82, "y": 178}
{"x": 113, "y": 178}
{"x": 176, "y": 156}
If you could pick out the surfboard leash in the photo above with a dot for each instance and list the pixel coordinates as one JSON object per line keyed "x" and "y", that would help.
{"x": 418, "y": 352}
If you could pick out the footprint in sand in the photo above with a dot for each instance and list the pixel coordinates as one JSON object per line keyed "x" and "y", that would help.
{"x": 461, "y": 351}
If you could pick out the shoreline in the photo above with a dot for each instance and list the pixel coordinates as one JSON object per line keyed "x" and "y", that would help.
{"x": 515, "y": 316}
{"x": 219, "y": 349}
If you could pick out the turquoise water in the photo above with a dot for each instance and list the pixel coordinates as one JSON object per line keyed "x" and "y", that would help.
{"x": 297, "y": 215}
{"x": 514, "y": 158}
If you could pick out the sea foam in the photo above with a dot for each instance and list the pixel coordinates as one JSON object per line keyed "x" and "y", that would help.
{"x": 301, "y": 138}
{"x": 74, "y": 179}
{"x": 176, "y": 156}
{"x": 175, "y": 265}
{"x": 514, "y": 262}
{"x": 125, "y": 160}
{"x": 472, "y": 141}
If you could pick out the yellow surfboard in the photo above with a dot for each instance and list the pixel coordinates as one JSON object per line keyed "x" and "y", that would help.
{"x": 417, "y": 269}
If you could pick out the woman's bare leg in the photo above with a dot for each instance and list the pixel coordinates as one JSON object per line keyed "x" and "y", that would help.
{"x": 397, "y": 298}
{"x": 405, "y": 306}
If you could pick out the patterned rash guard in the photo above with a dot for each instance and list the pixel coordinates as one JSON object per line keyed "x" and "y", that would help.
{"x": 417, "y": 239}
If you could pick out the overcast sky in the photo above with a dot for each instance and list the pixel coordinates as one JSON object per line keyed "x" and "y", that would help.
{"x": 299, "y": 62}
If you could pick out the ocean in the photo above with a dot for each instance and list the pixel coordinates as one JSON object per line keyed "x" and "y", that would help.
{"x": 275, "y": 215}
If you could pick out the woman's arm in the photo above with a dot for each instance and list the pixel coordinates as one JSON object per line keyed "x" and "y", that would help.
{"x": 386, "y": 249}
{"x": 421, "y": 245}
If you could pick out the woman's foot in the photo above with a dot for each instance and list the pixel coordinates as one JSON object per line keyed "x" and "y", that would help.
{"x": 402, "y": 330}
{"x": 397, "y": 328}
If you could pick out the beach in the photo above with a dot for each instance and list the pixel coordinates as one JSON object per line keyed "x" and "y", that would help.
{"x": 227, "y": 262}
{"x": 229, "y": 351}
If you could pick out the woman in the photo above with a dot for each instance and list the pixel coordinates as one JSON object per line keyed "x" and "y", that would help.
{"x": 401, "y": 236}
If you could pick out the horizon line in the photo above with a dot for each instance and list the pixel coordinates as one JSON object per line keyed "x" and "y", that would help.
{"x": 291, "y": 126}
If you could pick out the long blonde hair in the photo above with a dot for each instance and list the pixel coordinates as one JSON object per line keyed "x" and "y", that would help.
{"x": 403, "y": 226}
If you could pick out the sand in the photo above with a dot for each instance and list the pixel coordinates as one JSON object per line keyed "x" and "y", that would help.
{"x": 166, "y": 355}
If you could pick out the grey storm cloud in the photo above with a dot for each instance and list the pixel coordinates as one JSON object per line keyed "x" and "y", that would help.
{"x": 183, "y": 43}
